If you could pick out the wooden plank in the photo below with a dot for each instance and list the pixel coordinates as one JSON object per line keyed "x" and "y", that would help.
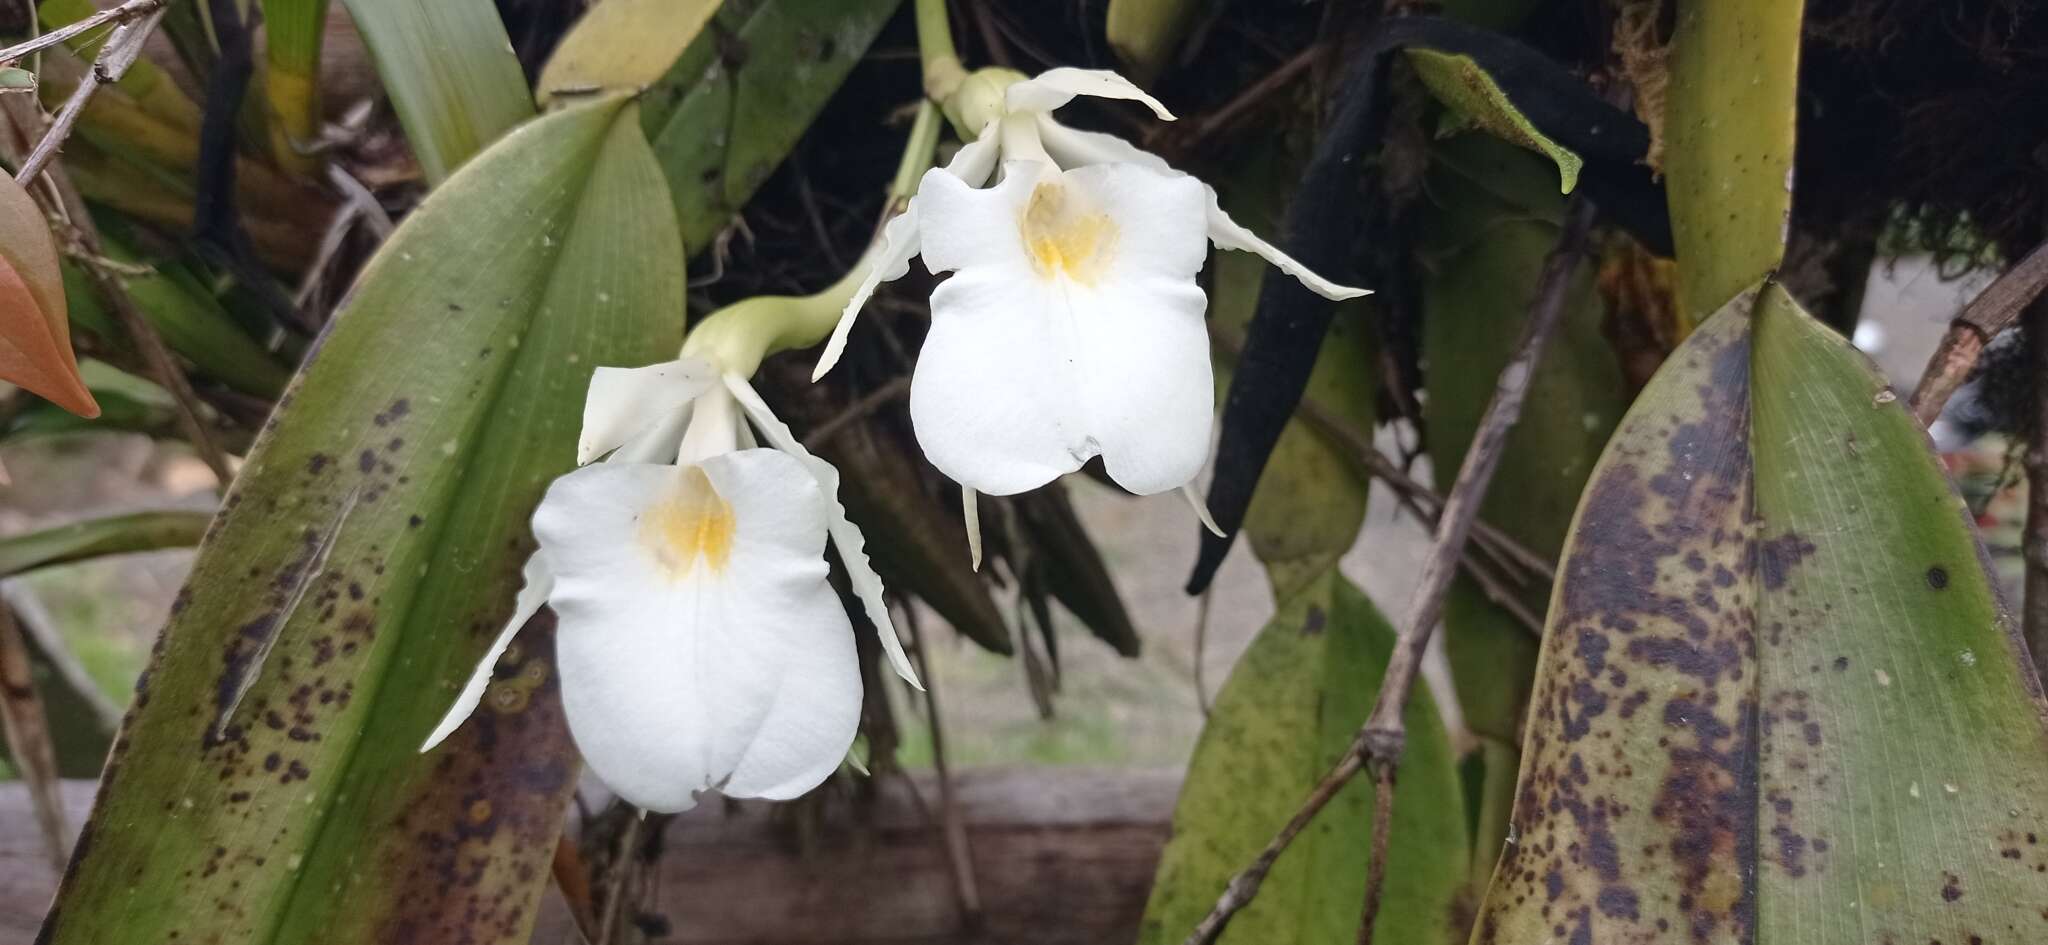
{"x": 1063, "y": 856}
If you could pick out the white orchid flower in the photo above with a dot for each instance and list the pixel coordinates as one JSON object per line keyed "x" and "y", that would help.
{"x": 1072, "y": 326}
{"x": 699, "y": 644}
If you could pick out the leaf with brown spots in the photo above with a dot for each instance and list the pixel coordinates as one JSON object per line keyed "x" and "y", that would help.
{"x": 266, "y": 786}
{"x": 1756, "y": 719}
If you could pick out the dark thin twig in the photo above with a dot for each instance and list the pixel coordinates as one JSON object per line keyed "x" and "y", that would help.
{"x": 1517, "y": 559}
{"x": 1991, "y": 312}
{"x": 1383, "y": 737}
{"x": 1246, "y": 103}
{"x": 27, "y": 730}
{"x": 74, "y": 226}
{"x": 957, "y": 851}
{"x": 855, "y": 412}
{"x": 1498, "y": 544}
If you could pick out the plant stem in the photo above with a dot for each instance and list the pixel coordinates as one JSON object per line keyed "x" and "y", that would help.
{"x": 1991, "y": 312}
{"x": 1383, "y": 738}
{"x": 120, "y": 52}
{"x": 27, "y": 731}
{"x": 942, "y": 69}
{"x": 118, "y": 14}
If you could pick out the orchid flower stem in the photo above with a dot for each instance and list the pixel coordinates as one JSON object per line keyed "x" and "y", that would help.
{"x": 737, "y": 337}
{"x": 942, "y": 69}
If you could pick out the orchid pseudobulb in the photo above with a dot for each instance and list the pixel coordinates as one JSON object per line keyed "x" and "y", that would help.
{"x": 1072, "y": 325}
{"x": 699, "y": 644}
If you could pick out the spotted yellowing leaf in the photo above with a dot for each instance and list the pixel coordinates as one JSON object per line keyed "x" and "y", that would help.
{"x": 1779, "y": 701}
{"x": 267, "y": 785}
{"x": 35, "y": 336}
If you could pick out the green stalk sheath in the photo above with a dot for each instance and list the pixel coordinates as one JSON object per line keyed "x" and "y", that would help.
{"x": 293, "y": 31}
{"x": 942, "y": 69}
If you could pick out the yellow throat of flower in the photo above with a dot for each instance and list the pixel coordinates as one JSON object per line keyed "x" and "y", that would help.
{"x": 1063, "y": 239}
{"x": 691, "y": 524}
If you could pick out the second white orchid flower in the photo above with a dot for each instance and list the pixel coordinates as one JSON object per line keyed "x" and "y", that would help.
{"x": 699, "y": 644}
{"x": 1072, "y": 326}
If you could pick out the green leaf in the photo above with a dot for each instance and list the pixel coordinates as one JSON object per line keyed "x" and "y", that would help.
{"x": 721, "y": 125}
{"x": 193, "y": 323}
{"x": 92, "y": 538}
{"x": 293, "y": 31}
{"x": 1729, "y": 116}
{"x": 451, "y": 74}
{"x": 364, "y": 560}
{"x": 623, "y": 45}
{"x": 1287, "y": 714}
{"x": 1492, "y": 220}
{"x": 1467, "y": 90}
{"x": 1779, "y": 701}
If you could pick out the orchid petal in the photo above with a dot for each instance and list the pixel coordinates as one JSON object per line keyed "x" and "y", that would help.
{"x": 1227, "y": 234}
{"x": 1056, "y": 87}
{"x": 900, "y": 242}
{"x": 1027, "y": 373}
{"x": 846, "y": 536}
{"x": 622, "y": 401}
{"x": 539, "y": 582}
{"x": 697, "y": 657}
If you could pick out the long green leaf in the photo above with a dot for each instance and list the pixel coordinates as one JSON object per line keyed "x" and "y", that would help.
{"x": 293, "y": 31}
{"x": 1729, "y": 117}
{"x": 1779, "y": 701}
{"x": 1287, "y": 714}
{"x": 623, "y": 45}
{"x": 720, "y": 126}
{"x": 451, "y": 74}
{"x": 112, "y": 535}
{"x": 267, "y": 786}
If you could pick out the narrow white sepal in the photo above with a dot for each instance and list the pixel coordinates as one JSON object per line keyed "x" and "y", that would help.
{"x": 1201, "y": 509}
{"x": 624, "y": 401}
{"x": 1227, "y": 234}
{"x": 1056, "y": 87}
{"x": 539, "y": 583}
{"x": 970, "y": 509}
{"x": 973, "y": 164}
{"x": 846, "y": 536}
